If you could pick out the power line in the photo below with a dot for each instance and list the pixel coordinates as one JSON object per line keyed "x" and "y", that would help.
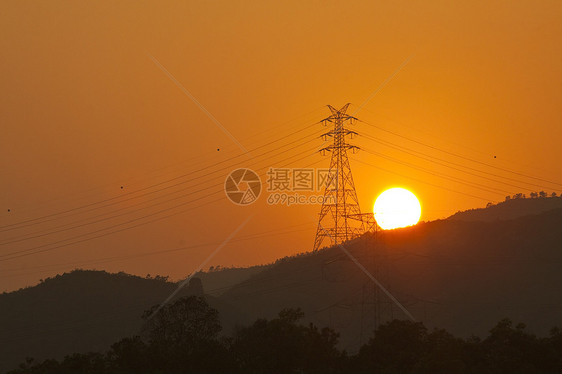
{"x": 454, "y": 179}
{"x": 421, "y": 181}
{"x": 263, "y": 234}
{"x": 28, "y": 223}
{"x": 463, "y": 157}
{"x": 428, "y": 157}
{"x": 41, "y": 248}
{"x": 61, "y": 229}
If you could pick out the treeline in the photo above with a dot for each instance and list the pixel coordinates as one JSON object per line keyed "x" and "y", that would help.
{"x": 184, "y": 337}
{"x": 533, "y": 195}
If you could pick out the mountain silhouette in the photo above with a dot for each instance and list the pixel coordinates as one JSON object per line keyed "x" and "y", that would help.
{"x": 87, "y": 310}
{"x": 461, "y": 275}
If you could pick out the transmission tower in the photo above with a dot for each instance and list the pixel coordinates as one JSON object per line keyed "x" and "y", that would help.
{"x": 340, "y": 216}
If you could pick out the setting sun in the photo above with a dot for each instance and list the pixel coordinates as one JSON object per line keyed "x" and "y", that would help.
{"x": 397, "y": 207}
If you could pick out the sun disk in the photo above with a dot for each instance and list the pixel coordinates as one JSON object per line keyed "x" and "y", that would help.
{"x": 397, "y": 207}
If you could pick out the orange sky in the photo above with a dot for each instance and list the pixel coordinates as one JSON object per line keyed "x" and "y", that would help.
{"x": 84, "y": 110}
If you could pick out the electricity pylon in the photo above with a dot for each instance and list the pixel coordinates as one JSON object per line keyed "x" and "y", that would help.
{"x": 340, "y": 216}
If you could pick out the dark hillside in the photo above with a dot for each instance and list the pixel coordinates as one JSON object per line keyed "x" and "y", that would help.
{"x": 458, "y": 275}
{"x": 510, "y": 209}
{"x": 82, "y": 311}
{"x": 218, "y": 280}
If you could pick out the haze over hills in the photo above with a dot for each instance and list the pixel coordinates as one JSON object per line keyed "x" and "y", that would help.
{"x": 460, "y": 275}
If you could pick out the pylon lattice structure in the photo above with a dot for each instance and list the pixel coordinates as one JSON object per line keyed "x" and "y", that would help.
{"x": 340, "y": 216}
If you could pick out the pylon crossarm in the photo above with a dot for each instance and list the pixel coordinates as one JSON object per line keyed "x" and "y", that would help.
{"x": 325, "y": 135}
{"x": 326, "y": 120}
{"x": 348, "y": 146}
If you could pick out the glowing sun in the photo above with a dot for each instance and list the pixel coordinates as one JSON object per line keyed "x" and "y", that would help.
{"x": 397, "y": 207}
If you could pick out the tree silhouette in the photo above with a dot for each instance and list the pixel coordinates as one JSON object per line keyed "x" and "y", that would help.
{"x": 284, "y": 346}
{"x": 443, "y": 354}
{"x": 183, "y": 337}
{"x": 397, "y": 347}
{"x": 187, "y": 320}
{"x": 512, "y": 350}
{"x": 129, "y": 355}
{"x": 552, "y": 347}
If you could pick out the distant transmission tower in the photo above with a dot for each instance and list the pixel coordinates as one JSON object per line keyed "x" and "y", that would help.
{"x": 340, "y": 216}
